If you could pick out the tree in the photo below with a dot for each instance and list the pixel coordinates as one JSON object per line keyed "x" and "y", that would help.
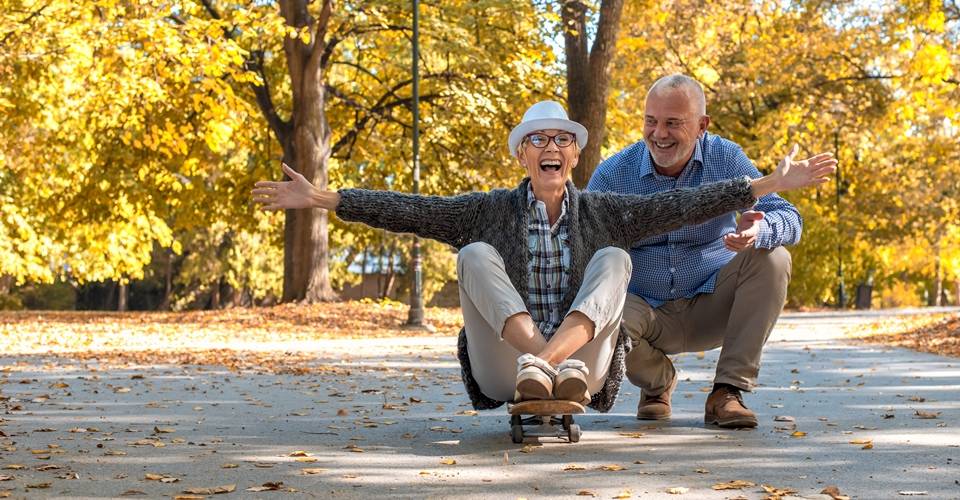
{"x": 588, "y": 74}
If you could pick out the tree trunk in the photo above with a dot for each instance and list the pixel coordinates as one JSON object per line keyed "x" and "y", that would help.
{"x": 588, "y": 76}
{"x": 306, "y": 146}
{"x": 215, "y": 295}
{"x": 124, "y": 292}
{"x": 167, "y": 281}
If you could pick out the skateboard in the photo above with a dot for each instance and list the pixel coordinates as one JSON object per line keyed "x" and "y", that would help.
{"x": 545, "y": 418}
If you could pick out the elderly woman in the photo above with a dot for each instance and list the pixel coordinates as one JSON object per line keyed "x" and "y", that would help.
{"x": 542, "y": 268}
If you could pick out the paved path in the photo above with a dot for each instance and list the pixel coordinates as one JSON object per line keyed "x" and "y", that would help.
{"x": 391, "y": 421}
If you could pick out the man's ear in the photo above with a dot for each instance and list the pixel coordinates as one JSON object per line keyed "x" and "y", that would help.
{"x": 703, "y": 124}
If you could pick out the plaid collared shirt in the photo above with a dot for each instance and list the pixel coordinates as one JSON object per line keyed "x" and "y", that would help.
{"x": 549, "y": 265}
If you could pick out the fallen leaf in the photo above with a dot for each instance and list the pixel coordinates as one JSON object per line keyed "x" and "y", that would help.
{"x": 15, "y": 467}
{"x": 574, "y": 467}
{"x": 298, "y": 453}
{"x": 448, "y": 461}
{"x": 311, "y": 471}
{"x": 908, "y": 493}
{"x": 216, "y": 490}
{"x": 133, "y": 493}
{"x": 163, "y": 430}
{"x": 39, "y": 485}
{"x": 868, "y": 446}
{"x": 354, "y": 448}
{"x": 527, "y": 448}
{"x": 632, "y": 434}
{"x": 737, "y": 484}
{"x": 306, "y": 459}
{"x": 612, "y": 467}
{"x": 6, "y": 478}
{"x": 926, "y": 414}
{"x": 701, "y": 471}
{"x": 267, "y": 487}
{"x": 834, "y": 493}
{"x": 229, "y": 466}
{"x": 623, "y": 494}
{"x": 798, "y": 434}
{"x": 784, "y": 418}
{"x": 777, "y": 492}
{"x": 861, "y": 441}
{"x": 677, "y": 490}
{"x": 586, "y": 493}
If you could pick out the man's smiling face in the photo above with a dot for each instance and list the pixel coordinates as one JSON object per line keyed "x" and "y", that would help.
{"x": 672, "y": 125}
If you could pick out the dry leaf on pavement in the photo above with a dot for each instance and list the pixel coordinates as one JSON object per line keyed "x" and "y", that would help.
{"x": 736, "y": 484}
{"x": 834, "y": 493}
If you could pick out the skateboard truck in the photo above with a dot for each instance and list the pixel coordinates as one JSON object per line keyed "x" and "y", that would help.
{"x": 544, "y": 418}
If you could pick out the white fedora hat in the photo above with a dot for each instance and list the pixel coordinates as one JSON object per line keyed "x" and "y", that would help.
{"x": 545, "y": 115}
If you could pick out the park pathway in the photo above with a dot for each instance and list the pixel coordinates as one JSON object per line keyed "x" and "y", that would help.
{"x": 388, "y": 418}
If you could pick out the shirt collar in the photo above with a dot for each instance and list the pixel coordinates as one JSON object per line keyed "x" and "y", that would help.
{"x": 532, "y": 200}
{"x": 532, "y": 203}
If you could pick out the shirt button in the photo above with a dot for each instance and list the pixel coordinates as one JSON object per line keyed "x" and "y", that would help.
{"x": 673, "y": 290}
{"x": 673, "y": 269}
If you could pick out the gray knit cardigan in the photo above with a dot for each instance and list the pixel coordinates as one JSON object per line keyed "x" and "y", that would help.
{"x": 499, "y": 218}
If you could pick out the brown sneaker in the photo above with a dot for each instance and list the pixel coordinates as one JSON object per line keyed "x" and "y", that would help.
{"x": 725, "y": 408}
{"x": 656, "y": 407}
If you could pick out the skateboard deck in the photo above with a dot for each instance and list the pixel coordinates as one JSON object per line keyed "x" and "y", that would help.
{"x": 544, "y": 418}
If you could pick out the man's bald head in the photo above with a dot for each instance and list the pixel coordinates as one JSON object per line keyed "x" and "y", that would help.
{"x": 682, "y": 83}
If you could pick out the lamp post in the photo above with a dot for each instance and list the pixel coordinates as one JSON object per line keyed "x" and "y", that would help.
{"x": 841, "y": 290}
{"x": 415, "y": 315}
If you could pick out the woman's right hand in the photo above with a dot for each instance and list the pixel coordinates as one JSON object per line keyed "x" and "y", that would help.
{"x": 298, "y": 192}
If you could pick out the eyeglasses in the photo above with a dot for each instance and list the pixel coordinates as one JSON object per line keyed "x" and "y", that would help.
{"x": 541, "y": 141}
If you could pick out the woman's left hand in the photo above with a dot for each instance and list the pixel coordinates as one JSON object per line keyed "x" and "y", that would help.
{"x": 795, "y": 174}
{"x": 298, "y": 192}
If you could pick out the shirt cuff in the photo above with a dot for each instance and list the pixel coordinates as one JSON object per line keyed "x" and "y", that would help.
{"x": 764, "y": 236}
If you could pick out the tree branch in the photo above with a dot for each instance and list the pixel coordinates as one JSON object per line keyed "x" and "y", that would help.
{"x": 24, "y": 21}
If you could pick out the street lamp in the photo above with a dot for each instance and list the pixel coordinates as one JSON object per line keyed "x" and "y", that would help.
{"x": 415, "y": 315}
{"x": 841, "y": 290}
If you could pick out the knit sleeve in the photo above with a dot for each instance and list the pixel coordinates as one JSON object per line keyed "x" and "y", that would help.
{"x": 642, "y": 216}
{"x": 443, "y": 218}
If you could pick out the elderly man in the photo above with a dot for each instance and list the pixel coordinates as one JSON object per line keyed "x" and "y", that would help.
{"x": 721, "y": 283}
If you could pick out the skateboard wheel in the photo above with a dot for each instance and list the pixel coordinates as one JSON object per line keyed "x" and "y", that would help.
{"x": 574, "y": 433}
{"x": 516, "y": 433}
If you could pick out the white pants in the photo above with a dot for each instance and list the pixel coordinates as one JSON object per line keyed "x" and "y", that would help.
{"x": 488, "y": 299}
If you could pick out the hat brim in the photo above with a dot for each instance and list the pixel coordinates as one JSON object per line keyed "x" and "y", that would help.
{"x": 521, "y": 131}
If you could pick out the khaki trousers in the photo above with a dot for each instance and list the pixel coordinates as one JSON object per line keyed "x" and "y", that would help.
{"x": 738, "y": 316}
{"x": 487, "y": 299}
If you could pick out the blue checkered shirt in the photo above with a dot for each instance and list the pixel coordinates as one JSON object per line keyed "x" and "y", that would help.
{"x": 549, "y": 264}
{"x": 685, "y": 262}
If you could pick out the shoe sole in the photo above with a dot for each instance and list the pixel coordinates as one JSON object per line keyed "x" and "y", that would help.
{"x": 653, "y": 417}
{"x": 731, "y": 423}
{"x": 570, "y": 387}
{"x": 534, "y": 386}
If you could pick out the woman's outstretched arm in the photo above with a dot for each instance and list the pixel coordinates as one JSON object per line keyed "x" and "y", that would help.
{"x": 642, "y": 216}
{"x": 447, "y": 219}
